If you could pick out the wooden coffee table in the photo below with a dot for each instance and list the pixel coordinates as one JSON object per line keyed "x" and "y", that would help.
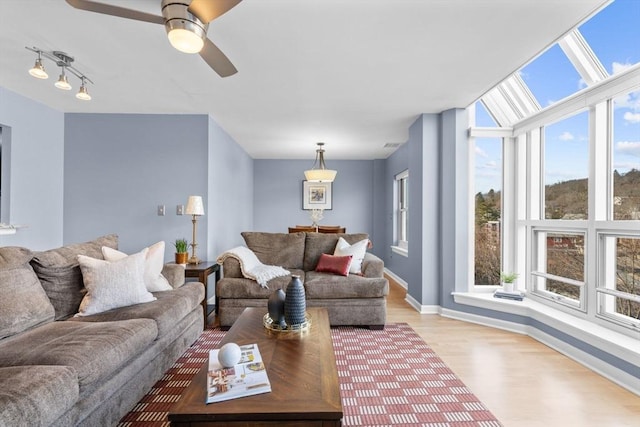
{"x": 302, "y": 371}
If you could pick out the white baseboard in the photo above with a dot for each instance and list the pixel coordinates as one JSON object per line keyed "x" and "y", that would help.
{"x": 396, "y": 278}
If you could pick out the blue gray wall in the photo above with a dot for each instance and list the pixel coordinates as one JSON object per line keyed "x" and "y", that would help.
{"x": 34, "y": 138}
{"x": 120, "y": 167}
{"x": 230, "y": 208}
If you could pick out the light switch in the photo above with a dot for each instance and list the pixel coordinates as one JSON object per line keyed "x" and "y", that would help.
{"x": 180, "y": 210}
{"x": 160, "y": 210}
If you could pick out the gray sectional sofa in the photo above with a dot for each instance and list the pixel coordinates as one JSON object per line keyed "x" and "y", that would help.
{"x": 356, "y": 299}
{"x": 60, "y": 370}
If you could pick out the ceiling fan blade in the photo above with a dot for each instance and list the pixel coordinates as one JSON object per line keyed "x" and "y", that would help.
{"x": 217, "y": 60}
{"x": 121, "y": 12}
{"x": 208, "y": 10}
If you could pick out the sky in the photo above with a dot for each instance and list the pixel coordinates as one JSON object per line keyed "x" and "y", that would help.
{"x": 614, "y": 36}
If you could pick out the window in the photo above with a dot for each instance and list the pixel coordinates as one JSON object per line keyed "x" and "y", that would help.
{"x": 559, "y": 267}
{"x": 402, "y": 211}
{"x": 488, "y": 211}
{"x": 619, "y": 284}
{"x": 551, "y": 77}
{"x": 569, "y": 218}
{"x": 613, "y": 34}
{"x": 566, "y": 168}
{"x": 626, "y": 157}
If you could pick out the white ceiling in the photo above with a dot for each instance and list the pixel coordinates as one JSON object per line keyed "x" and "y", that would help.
{"x": 352, "y": 73}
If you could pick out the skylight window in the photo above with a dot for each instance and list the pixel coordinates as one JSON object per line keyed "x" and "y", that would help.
{"x": 551, "y": 77}
{"x": 617, "y": 25}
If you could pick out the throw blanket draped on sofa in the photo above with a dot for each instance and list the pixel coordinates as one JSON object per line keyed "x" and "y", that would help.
{"x": 251, "y": 266}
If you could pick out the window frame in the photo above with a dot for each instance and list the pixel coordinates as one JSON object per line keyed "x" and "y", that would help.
{"x": 401, "y": 213}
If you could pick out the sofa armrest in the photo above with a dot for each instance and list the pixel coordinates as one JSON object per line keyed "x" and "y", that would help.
{"x": 174, "y": 273}
{"x": 372, "y": 266}
{"x": 231, "y": 268}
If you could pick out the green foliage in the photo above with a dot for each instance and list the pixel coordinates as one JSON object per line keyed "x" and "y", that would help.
{"x": 508, "y": 277}
{"x": 181, "y": 246}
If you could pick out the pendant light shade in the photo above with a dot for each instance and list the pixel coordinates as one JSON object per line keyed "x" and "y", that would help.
{"x": 319, "y": 171}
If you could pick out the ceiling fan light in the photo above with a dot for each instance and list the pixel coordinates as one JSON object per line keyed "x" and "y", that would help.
{"x": 83, "y": 94}
{"x": 185, "y": 41}
{"x": 38, "y": 70}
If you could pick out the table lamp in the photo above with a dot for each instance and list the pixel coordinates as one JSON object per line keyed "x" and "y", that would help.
{"x": 194, "y": 208}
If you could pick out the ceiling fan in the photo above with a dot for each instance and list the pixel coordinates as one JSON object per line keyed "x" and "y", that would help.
{"x": 186, "y": 22}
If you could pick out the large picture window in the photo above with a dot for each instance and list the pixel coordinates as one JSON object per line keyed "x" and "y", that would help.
{"x": 566, "y": 168}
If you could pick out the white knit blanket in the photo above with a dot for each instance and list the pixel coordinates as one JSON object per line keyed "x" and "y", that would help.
{"x": 251, "y": 266}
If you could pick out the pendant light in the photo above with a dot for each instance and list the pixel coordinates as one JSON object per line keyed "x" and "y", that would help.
{"x": 320, "y": 173}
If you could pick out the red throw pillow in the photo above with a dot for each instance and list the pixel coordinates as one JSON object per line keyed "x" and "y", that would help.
{"x": 334, "y": 264}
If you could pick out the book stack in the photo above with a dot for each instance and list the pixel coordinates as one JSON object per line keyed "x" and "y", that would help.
{"x": 515, "y": 295}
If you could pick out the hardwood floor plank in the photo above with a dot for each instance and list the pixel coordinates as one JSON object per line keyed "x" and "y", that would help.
{"x": 522, "y": 381}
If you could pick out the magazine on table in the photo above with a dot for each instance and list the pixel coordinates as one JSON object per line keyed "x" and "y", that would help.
{"x": 246, "y": 378}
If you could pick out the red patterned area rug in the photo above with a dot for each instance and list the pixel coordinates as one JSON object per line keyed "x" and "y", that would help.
{"x": 387, "y": 378}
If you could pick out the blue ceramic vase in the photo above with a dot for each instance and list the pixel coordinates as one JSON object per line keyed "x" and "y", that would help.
{"x": 295, "y": 304}
{"x": 275, "y": 305}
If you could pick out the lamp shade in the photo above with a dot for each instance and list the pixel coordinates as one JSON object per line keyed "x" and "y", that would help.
{"x": 194, "y": 206}
{"x": 320, "y": 175}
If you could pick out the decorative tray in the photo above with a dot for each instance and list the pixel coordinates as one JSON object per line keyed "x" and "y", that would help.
{"x": 268, "y": 323}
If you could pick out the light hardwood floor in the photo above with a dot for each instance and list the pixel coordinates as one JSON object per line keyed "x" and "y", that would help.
{"x": 523, "y": 383}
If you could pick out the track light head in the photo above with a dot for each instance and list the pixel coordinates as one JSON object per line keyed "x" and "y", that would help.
{"x": 83, "y": 94}
{"x": 63, "y": 82}
{"x": 38, "y": 70}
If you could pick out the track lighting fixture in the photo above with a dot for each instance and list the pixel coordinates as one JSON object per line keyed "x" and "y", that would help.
{"x": 64, "y": 61}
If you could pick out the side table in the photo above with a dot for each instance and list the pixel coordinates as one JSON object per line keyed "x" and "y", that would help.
{"x": 202, "y": 271}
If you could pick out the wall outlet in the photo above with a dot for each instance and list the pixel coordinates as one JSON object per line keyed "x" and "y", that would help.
{"x": 160, "y": 210}
{"x": 180, "y": 210}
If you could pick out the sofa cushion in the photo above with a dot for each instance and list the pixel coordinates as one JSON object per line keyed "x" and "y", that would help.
{"x": 153, "y": 264}
{"x": 113, "y": 284}
{"x": 241, "y": 288}
{"x": 320, "y": 243}
{"x": 334, "y": 264}
{"x": 284, "y": 250}
{"x": 329, "y": 286}
{"x": 23, "y": 302}
{"x": 165, "y": 311}
{"x": 36, "y": 395}
{"x": 60, "y": 276}
{"x": 94, "y": 350}
{"x": 356, "y": 250}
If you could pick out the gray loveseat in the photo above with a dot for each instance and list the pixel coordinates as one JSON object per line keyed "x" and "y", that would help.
{"x": 350, "y": 300}
{"x": 60, "y": 370}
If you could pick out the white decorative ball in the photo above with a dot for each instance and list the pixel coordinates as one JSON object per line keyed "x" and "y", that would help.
{"x": 229, "y": 355}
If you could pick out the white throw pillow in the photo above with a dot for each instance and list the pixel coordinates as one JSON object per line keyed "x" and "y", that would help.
{"x": 357, "y": 250}
{"x": 153, "y": 278}
{"x": 113, "y": 284}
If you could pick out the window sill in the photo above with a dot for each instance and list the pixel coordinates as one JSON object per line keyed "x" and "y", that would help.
{"x": 620, "y": 345}
{"x": 400, "y": 251}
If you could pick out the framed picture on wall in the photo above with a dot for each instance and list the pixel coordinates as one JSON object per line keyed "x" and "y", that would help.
{"x": 316, "y": 195}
